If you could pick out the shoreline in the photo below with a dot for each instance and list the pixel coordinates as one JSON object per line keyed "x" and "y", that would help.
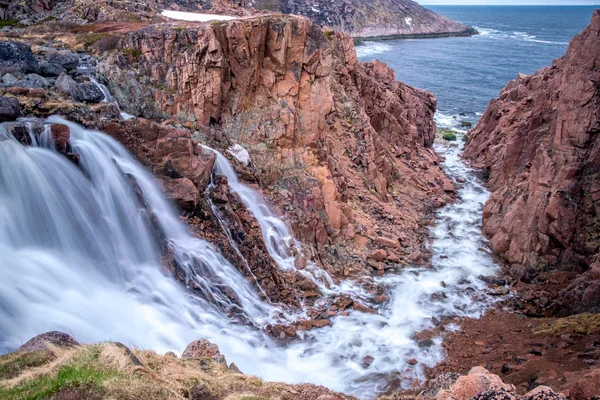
{"x": 467, "y": 33}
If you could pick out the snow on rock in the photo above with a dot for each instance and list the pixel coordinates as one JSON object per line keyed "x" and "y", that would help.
{"x": 196, "y": 17}
{"x": 408, "y": 21}
{"x": 240, "y": 154}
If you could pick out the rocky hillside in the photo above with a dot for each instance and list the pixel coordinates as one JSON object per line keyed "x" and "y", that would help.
{"x": 340, "y": 146}
{"x": 540, "y": 144}
{"x": 372, "y": 19}
{"x": 54, "y": 365}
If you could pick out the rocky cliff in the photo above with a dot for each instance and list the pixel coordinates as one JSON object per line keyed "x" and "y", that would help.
{"x": 373, "y": 19}
{"x": 540, "y": 144}
{"x": 341, "y": 147}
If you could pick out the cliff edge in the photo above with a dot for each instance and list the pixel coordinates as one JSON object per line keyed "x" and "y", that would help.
{"x": 540, "y": 143}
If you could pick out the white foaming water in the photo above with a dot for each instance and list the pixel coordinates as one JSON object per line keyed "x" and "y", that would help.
{"x": 78, "y": 254}
{"x": 108, "y": 98}
{"x": 371, "y": 48}
{"x": 495, "y": 34}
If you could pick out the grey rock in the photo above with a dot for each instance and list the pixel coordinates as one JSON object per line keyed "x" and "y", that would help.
{"x": 33, "y": 81}
{"x": 16, "y": 56}
{"x": 442, "y": 382}
{"x": 9, "y": 80}
{"x": 67, "y": 61}
{"x": 10, "y": 109}
{"x": 51, "y": 69}
{"x": 40, "y": 342}
{"x": 88, "y": 92}
{"x": 65, "y": 83}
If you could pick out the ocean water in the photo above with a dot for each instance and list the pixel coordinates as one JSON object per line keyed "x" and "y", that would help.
{"x": 466, "y": 73}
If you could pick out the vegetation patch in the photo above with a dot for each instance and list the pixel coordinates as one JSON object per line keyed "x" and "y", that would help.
{"x": 328, "y": 34}
{"x": 12, "y": 365}
{"x": 449, "y": 136}
{"x": 580, "y": 323}
{"x": 9, "y": 22}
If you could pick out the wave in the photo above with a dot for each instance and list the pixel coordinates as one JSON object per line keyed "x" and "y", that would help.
{"x": 496, "y": 34}
{"x": 371, "y": 48}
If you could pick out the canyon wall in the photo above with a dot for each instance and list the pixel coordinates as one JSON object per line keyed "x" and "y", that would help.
{"x": 373, "y": 19}
{"x": 540, "y": 144}
{"x": 341, "y": 148}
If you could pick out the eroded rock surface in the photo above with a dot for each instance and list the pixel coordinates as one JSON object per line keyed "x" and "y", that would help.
{"x": 540, "y": 143}
{"x": 340, "y": 146}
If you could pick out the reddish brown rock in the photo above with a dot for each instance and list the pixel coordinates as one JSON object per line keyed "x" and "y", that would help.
{"x": 200, "y": 349}
{"x": 587, "y": 388}
{"x": 341, "y": 147}
{"x": 54, "y": 338}
{"x": 540, "y": 143}
{"x": 61, "y": 135}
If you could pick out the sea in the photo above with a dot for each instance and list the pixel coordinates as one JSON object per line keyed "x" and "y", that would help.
{"x": 465, "y": 73}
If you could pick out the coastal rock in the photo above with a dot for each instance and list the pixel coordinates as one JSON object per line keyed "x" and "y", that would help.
{"x": 540, "y": 143}
{"x": 341, "y": 147}
{"x": 375, "y": 19}
{"x": 17, "y": 57}
{"x": 10, "y": 109}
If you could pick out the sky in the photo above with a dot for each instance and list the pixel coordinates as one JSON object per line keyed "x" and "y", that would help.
{"x": 512, "y": 2}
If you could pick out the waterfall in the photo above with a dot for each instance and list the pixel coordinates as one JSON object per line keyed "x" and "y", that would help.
{"x": 80, "y": 252}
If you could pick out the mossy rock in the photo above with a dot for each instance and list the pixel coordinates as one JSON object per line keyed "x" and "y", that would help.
{"x": 449, "y": 136}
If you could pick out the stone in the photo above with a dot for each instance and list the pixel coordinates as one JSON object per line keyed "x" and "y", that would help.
{"x": 475, "y": 383}
{"x": 9, "y": 80}
{"x": 438, "y": 384}
{"x": 41, "y": 342}
{"x": 200, "y": 349}
{"x": 544, "y": 393}
{"x": 68, "y": 61}
{"x": 33, "y": 81}
{"x": 51, "y": 70}
{"x": 366, "y": 361}
{"x": 87, "y": 92}
{"x": 426, "y": 343}
{"x": 61, "y": 134}
{"x": 17, "y": 57}
{"x": 586, "y": 388}
{"x": 10, "y": 109}
{"x": 65, "y": 83}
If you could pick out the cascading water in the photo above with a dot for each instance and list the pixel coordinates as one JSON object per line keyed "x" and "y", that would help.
{"x": 78, "y": 254}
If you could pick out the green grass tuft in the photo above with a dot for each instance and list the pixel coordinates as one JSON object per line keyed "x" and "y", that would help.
{"x": 8, "y": 22}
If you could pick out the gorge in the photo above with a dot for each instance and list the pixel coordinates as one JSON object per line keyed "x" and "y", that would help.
{"x": 253, "y": 184}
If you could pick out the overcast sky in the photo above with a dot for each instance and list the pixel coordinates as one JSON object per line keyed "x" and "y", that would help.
{"x": 513, "y": 2}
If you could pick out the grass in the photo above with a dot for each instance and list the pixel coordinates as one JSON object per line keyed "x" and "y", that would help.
{"x": 67, "y": 377}
{"x": 8, "y": 22}
{"x": 12, "y": 365}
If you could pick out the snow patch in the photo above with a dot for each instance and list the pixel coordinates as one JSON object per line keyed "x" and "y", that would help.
{"x": 196, "y": 17}
{"x": 408, "y": 21}
{"x": 239, "y": 153}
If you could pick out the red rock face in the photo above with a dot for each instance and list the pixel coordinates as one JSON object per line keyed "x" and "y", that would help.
{"x": 540, "y": 143}
{"x": 341, "y": 147}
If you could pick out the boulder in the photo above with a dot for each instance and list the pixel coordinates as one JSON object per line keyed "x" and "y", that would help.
{"x": 65, "y": 83}
{"x": 15, "y": 56}
{"x": 55, "y": 338}
{"x": 60, "y": 134}
{"x": 10, "y": 109}
{"x": 587, "y": 388}
{"x": 479, "y": 380}
{"x": 87, "y": 92}
{"x": 9, "y": 80}
{"x": 202, "y": 349}
{"x": 543, "y": 393}
{"x": 51, "y": 69}
{"x": 32, "y": 81}
{"x": 68, "y": 61}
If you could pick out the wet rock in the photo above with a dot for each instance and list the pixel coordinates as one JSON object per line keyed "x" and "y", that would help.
{"x": 55, "y": 338}
{"x": 60, "y": 134}
{"x": 183, "y": 192}
{"x": 87, "y": 92}
{"x": 493, "y": 280}
{"x": 10, "y": 109}
{"x": 367, "y": 361}
{"x": 426, "y": 343}
{"x": 15, "y": 56}
{"x": 587, "y": 388}
{"x": 51, "y": 70}
{"x": 68, "y": 61}
{"x": 466, "y": 124}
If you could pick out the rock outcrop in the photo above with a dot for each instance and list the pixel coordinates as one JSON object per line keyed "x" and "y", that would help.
{"x": 340, "y": 146}
{"x": 540, "y": 144}
{"x": 373, "y": 19}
